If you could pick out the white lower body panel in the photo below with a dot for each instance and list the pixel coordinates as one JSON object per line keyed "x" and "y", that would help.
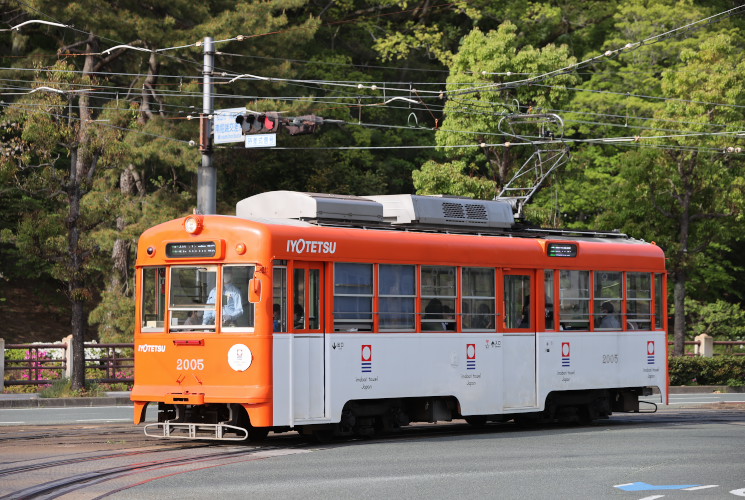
{"x": 488, "y": 373}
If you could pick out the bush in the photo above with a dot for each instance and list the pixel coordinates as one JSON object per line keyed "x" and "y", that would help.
{"x": 47, "y": 364}
{"x": 63, "y": 389}
{"x": 719, "y": 370}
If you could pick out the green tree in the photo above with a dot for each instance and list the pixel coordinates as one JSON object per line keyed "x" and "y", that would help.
{"x": 719, "y": 319}
{"x": 63, "y": 152}
{"x": 112, "y": 183}
{"x": 438, "y": 178}
{"x": 484, "y": 89}
{"x": 675, "y": 193}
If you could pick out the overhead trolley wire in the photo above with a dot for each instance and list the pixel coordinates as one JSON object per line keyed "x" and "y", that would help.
{"x": 629, "y": 47}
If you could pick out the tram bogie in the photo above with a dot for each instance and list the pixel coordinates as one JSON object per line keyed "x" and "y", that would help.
{"x": 343, "y": 316}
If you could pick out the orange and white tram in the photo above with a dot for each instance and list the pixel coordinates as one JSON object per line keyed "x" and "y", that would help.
{"x": 347, "y": 315}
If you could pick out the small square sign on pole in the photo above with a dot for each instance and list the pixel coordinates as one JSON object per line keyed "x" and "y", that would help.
{"x": 261, "y": 140}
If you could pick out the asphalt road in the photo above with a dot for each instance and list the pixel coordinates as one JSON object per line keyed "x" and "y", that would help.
{"x": 686, "y": 451}
{"x": 697, "y": 399}
{"x": 674, "y": 454}
{"x": 68, "y": 415}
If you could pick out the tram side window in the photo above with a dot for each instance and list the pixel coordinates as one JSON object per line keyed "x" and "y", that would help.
{"x": 299, "y": 307}
{"x": 153, "y": 298}
{"x": 479, "y": 299}
{"x": 639, "y": 301}
{"x": 517, "y": 301}
{"x": 439, "y": 290}
{"x": 190, "y": 303}
{"x": 279, "y": 301}
{"x": 397, "y": 290}
{"x": 550, "y": 299}
{"x": 307, "y": 299}
{"x": 659, "y": 312}
{"x": 237, "y": 311}
{"x": 353, "y": 297}
{"x": 574, "y": 297}
{"x": 608, "y": 300}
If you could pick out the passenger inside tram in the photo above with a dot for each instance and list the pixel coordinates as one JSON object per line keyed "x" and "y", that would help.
{"x": 484, "y": 319}
{"x": 277, "y": 312}
{"x": 525, "y": 315}
{"x": 433, "y": 317}
{"x": 232, "y": 303}
{"x": 607, "y": 319}
{"x": 299, "y": 317}
{"x": 448, "y": 316}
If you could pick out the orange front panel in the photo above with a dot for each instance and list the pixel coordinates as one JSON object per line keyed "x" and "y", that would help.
{"x": 223, "y": 369}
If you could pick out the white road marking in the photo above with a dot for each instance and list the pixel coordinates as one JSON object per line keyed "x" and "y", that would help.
{"x": 105, "y": 420}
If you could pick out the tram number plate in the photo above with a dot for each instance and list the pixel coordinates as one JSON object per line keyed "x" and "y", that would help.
{"x": 190, "y": 364}
{"x": 610, "y": 358}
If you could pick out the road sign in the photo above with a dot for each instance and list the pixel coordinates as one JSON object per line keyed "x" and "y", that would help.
{"x": 261, "y": 140}
{"x": 225, "y": 129}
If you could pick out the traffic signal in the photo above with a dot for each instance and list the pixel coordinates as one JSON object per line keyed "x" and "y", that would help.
{"x": 306, "y": 124}
{"x": 258, "y": 123}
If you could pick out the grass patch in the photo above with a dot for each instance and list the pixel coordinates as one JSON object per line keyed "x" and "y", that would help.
{"x": 63, "y": 389}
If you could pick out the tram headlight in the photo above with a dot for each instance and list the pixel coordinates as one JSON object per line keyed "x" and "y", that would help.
{"x": 193, "y": 224}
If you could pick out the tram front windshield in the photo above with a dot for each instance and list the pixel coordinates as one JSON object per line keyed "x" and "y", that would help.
{"x": 190, "y": 302}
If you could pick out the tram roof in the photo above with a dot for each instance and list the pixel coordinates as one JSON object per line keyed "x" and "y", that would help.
{"x": 404, "y": 212}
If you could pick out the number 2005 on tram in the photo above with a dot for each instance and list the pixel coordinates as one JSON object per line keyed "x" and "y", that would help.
{"x": 341, "y": 315}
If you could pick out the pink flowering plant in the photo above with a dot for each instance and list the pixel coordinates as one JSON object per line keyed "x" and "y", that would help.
{"x": 35, "y": 364}
{"x": 45, "y": 366}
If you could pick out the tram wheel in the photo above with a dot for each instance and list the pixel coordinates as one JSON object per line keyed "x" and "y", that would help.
{"x": 476, "y": 421}
{"x": 257, "y": 434}
{"x": 323, "y": 436}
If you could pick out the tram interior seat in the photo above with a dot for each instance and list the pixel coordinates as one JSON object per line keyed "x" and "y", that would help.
{"x": 581, "y": 326}
{"x": 353, "y": 327}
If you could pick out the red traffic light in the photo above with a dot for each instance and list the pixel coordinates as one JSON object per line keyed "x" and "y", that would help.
{"x": 258, "y": 123}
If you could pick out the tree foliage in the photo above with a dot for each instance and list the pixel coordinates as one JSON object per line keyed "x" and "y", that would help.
{"x": 483, "y": 93}
{"x": 85, "y": 171}
{"x": 719, "y": 319}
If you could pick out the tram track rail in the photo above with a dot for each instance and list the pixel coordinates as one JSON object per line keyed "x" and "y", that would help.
{"x": 77, "y": 460}
{"x": 74, "y": 483}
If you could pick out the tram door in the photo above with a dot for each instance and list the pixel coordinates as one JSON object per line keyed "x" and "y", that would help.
{"x": 308, "y": 353}
{"x": 519, "y": 341}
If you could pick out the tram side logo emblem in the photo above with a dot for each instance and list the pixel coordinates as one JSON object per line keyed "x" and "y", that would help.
{"x": 565, "y": 353}
{"x": 366, "y": 359}
{"x": 650, "y": 352}
{"x": 470, "y": 356}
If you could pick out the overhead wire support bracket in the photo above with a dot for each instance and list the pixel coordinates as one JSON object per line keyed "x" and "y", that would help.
{"x": 550, "y": 153}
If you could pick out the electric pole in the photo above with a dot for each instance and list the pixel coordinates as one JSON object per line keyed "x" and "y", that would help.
{"x": 207, "y": 175}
